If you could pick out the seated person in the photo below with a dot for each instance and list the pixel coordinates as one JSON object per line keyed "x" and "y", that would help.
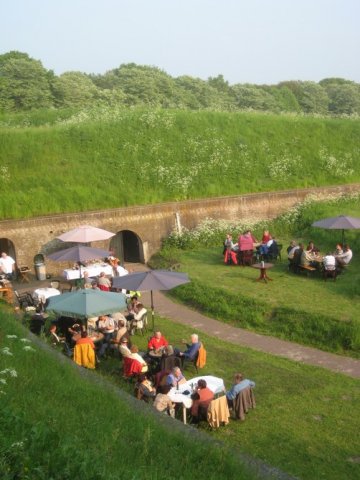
{"x": 132, "y": 307}
{"x": 175, "y": 378}
{"x": 134, "y": 354}
{"x": 201, "y": 400}
{"x": 124, "y": 347}
{"x": 307, "y": 259}
{"x": 273, "y": 249}
{"x": 192, "y": 348}
{"x": 345, "y": 257}
{"x": 266, "y": 242}
{"x": 339, "y": 249}
{"x": 240, "y": 384}
{"x": 75, "y": 331}
{"x": 94, "y": 285}
{"x": 168, "y": 359}
{"x": 136, "y": 322}
{"x": 58, "y": 339}
{"x": 37, "y": 321}
{"x": 246, "y": 241}
{"x": 145, "y": 386}
{"x": 291, "y": 249}
{"x": 121, "y": 332}
{"x": 84, "y": 339}
{"x": 229, "y": 250}
{"x": 163, "y": 402}
{"x": 157, "y": 342}
{"x": 329, "y": 261}
{"x": 312, "y": 249}
{"x": 103, "y": 282}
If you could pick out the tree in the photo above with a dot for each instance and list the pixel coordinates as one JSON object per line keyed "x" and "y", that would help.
{"x": 253, "y": 97}
{"x": 73, "y": 89}
{"x": 24, "y": 83}
{"x": 344, "y": 95}
{"x": 311, "y": 97}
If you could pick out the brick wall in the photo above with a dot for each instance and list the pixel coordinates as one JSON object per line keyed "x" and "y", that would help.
{"x": 151, "y": 223}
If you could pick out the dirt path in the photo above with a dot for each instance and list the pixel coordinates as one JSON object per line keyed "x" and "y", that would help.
{"x": 312, "y": 356}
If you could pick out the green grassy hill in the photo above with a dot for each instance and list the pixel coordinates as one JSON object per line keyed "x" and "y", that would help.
{"x": 64, "y": 161}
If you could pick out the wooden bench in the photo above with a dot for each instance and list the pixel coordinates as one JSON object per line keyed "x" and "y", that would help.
{"x": 307, "y": 268}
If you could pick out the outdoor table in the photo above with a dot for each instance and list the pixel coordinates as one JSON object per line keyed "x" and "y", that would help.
{"x": 263, "y": 266}
{"x": 42, "y": 294}
{"x": 93, "y": 271}
{"x": 215, "y": 384}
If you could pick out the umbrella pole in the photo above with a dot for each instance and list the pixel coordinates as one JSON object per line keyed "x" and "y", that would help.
{"x": 152, "y": 308}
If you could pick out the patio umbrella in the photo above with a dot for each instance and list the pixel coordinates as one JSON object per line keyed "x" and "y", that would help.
{"x": 342, "y": 222}
{"x": 79, "y": 253}
{"x": 151, "y": 280}
{"x": 87, "y": 303}
{"x": 85, "y": 234}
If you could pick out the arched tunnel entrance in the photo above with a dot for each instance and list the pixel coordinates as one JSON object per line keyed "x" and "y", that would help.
{"x": 8, "y": 247}
{"x": 128, "y": 247}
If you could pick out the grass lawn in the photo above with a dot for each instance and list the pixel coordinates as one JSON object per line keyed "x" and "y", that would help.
{"x": 306, "y": 421}
{"x": 311, "y": 295}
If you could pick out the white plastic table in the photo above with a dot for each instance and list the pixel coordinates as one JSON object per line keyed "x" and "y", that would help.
{"x": 42, "y": 294}
{"x": 93, "y": 271}
{"x": 215, "y": 384}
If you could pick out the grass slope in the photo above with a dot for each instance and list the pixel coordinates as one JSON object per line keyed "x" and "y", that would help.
{"x": 56, "y": 423}
{"x": 52, "y": 162}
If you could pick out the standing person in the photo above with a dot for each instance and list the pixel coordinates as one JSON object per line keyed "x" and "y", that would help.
{"x": 239, "y": 384}
{"x": 7, "y": 266}
{"x": 106, "y": 326}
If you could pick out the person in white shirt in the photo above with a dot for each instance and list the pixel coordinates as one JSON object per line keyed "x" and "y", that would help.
{"x": 345, "y": 257}
{"x": 329, "y": 261}
{"x": 106, "y": 326}
{"x": 7, "y": 265}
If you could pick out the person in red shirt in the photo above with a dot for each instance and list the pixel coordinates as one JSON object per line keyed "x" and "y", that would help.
{"x": 201, "y": 399}
{"x": 157, "y": 342}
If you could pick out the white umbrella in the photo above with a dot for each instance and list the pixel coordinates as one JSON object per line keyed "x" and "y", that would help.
{"x": 85, "y": 234}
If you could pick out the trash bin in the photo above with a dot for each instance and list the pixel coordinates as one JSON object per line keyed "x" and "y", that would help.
{"x": 39, "y": 265}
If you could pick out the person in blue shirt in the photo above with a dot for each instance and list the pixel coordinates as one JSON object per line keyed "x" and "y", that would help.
{"x": 240, "y": 384}
{"x": 192, "y": 348}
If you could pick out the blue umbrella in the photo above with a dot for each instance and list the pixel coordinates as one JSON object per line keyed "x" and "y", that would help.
{"x": 87, "y": 303}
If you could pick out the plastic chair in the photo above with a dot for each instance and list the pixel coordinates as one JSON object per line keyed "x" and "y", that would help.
{"x": 24, "y": 299}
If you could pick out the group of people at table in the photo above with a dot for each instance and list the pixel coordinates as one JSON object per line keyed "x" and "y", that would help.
{"x": 158, "y": 370}
{"x": 247, "y": 246}
{"x": 336, "y": 260}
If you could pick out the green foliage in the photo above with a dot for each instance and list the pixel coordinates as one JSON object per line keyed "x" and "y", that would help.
{"x": 184, "y": 154}
{"x": 73, "y": 89}
{"x": 25, "y": 84}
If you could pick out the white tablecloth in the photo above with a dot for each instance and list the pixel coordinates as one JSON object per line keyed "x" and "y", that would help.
{"x": 93, "y": 271}
{"x": 42, "y": 294}
{"x": 215, "y": 384}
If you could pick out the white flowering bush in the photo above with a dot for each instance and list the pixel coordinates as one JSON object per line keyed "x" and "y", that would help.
{"x": 337, "y": 167}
